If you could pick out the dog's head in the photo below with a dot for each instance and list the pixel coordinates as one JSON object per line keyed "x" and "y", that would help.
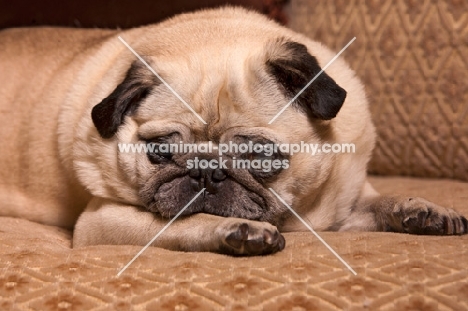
{"x": 236, "y": 91}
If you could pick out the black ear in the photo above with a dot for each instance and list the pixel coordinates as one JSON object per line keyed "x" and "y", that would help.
{"x": 294, "y": 69}
{"x": 109, "y": 114}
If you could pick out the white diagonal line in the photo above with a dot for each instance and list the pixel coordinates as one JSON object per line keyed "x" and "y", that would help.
{"x": 162, "y": 80}
{"x": 313, "y": 231}
{"x": 160, "y": 232}
{"x": 310, "y": 82}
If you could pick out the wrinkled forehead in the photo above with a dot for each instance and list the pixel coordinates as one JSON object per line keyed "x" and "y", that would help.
{"x": 227, "y": 87}
{"x": 217, "y": 87}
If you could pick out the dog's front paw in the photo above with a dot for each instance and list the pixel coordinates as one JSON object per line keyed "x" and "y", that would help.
{"x": 246, "y": 237}
{"x": 419, "y": 216}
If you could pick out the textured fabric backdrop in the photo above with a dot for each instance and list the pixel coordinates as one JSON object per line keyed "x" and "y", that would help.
{"x": 413, "y": 59}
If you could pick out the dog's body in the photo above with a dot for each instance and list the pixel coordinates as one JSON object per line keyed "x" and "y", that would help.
{"x": 68, "y": 97}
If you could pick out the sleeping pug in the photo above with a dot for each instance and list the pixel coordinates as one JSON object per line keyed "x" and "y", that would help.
{"x": 70, "y": 97}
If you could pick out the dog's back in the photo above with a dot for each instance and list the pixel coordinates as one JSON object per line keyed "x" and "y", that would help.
{"x": 34, "y": 62}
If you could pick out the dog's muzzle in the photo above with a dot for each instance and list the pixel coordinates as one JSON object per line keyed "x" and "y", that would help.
{"x": 211, "y": 179}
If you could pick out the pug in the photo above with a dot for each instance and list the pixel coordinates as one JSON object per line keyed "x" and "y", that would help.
{"x": 70, "y": 97}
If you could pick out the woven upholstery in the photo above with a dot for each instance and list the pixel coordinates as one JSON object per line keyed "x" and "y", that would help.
{"x": 39, "y": 270}
{"x": 412, "y": 58}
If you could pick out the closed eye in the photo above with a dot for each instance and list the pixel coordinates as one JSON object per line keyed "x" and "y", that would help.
{"x": 158, "y": 148}
{"x": 157, "y": 153}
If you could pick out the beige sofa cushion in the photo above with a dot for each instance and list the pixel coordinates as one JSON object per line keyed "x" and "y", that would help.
{"x": 39, "y": 270}
{"x": 411, "y": 55}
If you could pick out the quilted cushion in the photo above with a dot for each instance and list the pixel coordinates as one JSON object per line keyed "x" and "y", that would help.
{"x": 39, "y": 270}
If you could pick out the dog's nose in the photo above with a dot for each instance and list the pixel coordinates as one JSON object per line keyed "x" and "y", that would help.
{"x": 206, "y": 178}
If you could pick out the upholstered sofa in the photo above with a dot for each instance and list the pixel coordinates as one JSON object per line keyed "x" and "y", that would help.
{"x": 412, "y": 57}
